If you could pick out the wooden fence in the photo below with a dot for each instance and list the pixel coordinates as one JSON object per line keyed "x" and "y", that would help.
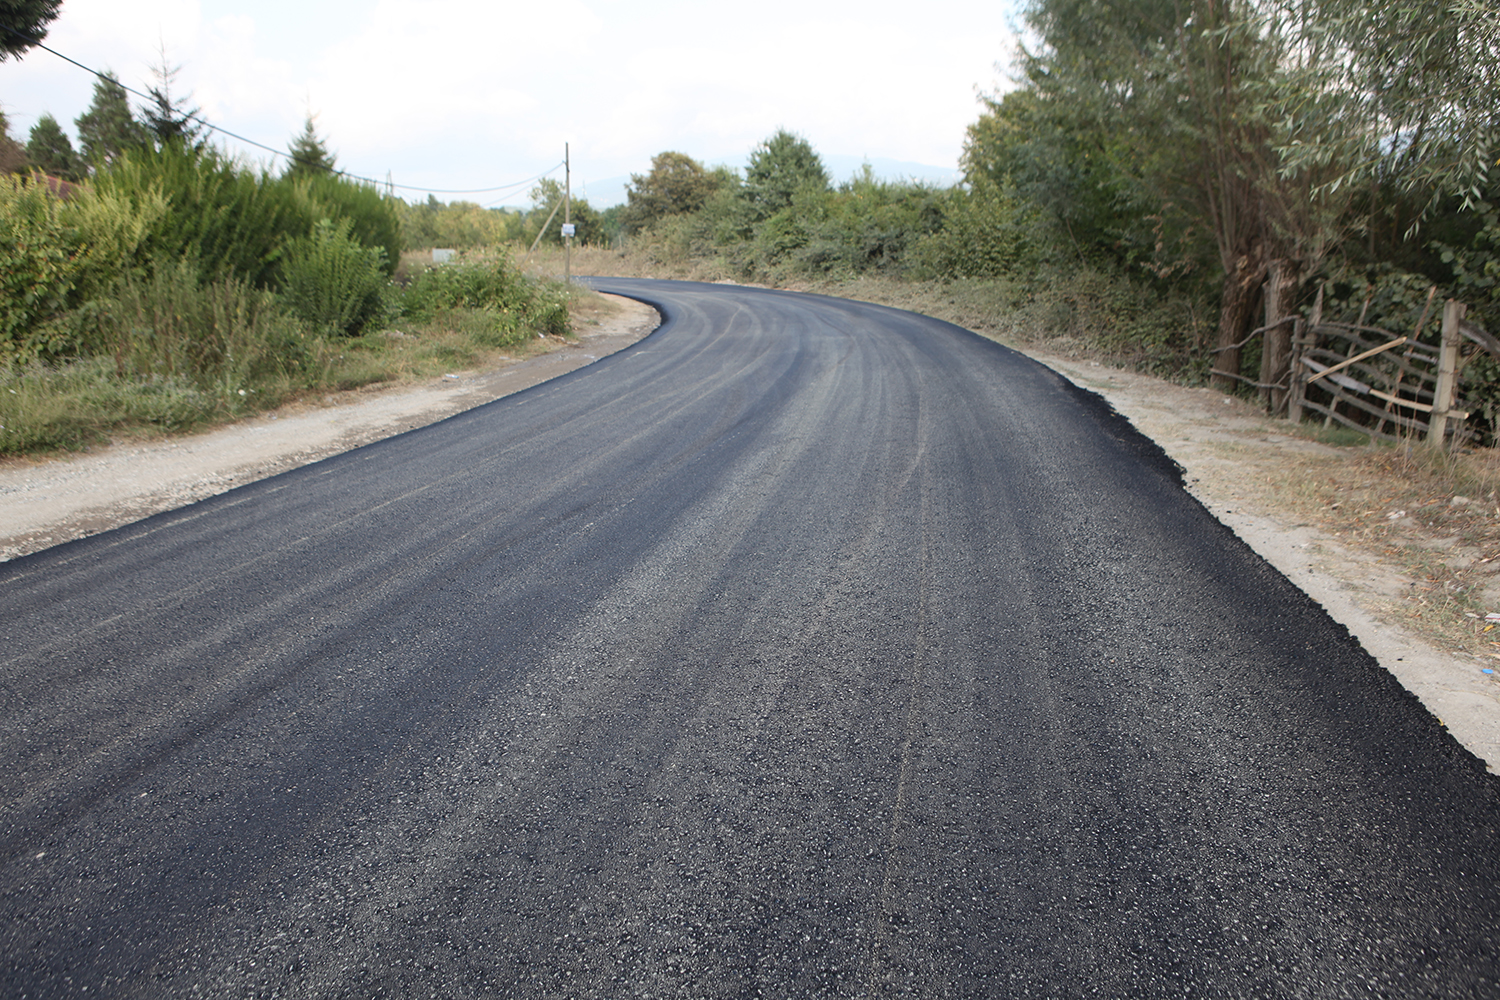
{"x": 1393, "y": 388}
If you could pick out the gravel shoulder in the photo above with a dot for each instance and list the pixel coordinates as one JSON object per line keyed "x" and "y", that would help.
{"x": 1225, "y": 447}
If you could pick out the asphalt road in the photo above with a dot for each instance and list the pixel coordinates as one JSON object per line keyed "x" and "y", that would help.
{"x": 807, "y": 648}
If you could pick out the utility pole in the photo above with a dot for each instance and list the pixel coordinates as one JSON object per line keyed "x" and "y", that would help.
{"x": 567, "y": 216}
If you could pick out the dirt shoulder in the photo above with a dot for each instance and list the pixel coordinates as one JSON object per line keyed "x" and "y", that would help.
{"x": 1236, "y": 463}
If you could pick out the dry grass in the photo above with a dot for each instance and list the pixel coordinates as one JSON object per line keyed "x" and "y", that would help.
{"x": 1432, "y": 516}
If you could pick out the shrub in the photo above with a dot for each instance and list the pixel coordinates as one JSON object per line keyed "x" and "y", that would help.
{"x": 514, "y": 306}
{"x": 372, "y": 217}
{"x": 39, "y": 268}
{"x": 46, "y": 407}
{"x": 333, "y": 282}
{"x": 987, "y": 232}
{"x": 233, "y": 222}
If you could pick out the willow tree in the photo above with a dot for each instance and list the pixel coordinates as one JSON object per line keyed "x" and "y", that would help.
{"x": 1188, "y": 100}
{"x": 1401, "y": 94}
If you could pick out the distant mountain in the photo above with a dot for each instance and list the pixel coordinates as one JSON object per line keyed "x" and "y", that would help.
{"x": 611, "y": 190}
{"x": 842, "y": 168}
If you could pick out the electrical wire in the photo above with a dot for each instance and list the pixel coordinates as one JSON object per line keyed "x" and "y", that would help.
{"x": 37, "y": 42}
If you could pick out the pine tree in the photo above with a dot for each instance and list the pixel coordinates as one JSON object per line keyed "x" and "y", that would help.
{"x": 51, "y": 151}
{"x": 23, "y": 23}
{"x": 309, "y": 153}
{"x": 169, "y": 119}
{"x": 108, "y": 128}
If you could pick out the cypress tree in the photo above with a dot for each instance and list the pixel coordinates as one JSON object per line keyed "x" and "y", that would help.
{"x": 23, "y": 23}
{"x": 51, "y": 151}
{"x": 108, "y": 128}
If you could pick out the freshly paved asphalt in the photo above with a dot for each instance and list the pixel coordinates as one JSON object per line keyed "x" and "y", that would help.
{"x": 808, "y": 648}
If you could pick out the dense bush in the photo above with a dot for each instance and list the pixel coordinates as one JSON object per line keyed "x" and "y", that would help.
{"x": 234, "y": 222}
{"x": 39, "y": 268}
{"x": 511, "y": 305}
{"x": 985, "y": 232}
{"x": 372, "y": 217}
{"x": 333, "y": 282}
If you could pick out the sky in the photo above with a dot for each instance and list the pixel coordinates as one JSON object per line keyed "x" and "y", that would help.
{"x": 456, "y": 96}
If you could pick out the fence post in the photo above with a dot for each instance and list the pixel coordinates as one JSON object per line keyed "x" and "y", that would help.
{"x": 1447, "y": 382}
{"x": 1298, "y": 374}
{"x": 1276, "y": 345}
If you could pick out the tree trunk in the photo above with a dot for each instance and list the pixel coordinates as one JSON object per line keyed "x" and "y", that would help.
{"x": 1236, "y": 310}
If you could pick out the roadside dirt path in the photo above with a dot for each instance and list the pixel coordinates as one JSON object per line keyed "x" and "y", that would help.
{"x": 1225, "y": 446}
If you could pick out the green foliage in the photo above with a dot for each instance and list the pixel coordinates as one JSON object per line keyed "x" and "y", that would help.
{"x": 39, "y": 269}
{"x": 56, "y": 407}
{"x": 1411, "y": 92}
{"x": 987, "y": 231}
{"x": 222, "y": 336}
{"x": 676, "y": 184}
{"x": 51, "y": 151}
{"x": 108, "y": 128}
{"x": 1475, "y": 267}
{"x": 309, "y": 152}
{"x": 174, "y": 354}
{"x": 459, "y": 225}
{"x": 170, "y": 120}
{"x": 237, "y": 223}
{"x": 548, "y": 195}
{"x": 781, "y": 166}
{"x": 1121, "y": 317}
{"x": 869, "y": 225}
{"x": 512, "y": 306}
{"x": 373, "y": 218}
{"x": 333, "y": 282}
{"x": 23, "y": 23}
{"x": 233, "y": 222}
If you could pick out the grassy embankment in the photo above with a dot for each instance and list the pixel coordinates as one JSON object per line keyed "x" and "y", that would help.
{"x": 474, "y": 314}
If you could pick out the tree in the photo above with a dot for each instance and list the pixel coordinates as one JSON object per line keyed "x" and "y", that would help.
{"x": 107, "y": 128}
{"x": 587, "y": 222}
{"x": 309, "y": 153}
{"x": 779, "y": 167}
{"x": 23, "y": 23}
{"x": 1186, "y": 94}
{"x": 676, "y": 184}
{"x": 168, "y": 119}
{"x": 1404, "y": 94}
{"x": 12, "y": 153}
{"x": 51, "y": 151}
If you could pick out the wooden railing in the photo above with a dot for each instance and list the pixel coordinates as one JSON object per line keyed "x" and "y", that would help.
{"x": 1393, "y": 388}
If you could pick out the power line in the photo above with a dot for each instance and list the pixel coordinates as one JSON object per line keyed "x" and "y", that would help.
{"x": 37, "y": 42}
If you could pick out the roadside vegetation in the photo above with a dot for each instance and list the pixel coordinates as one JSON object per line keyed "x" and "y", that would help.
{"x": 155, "y": 284}
{"x": 1158, "y": 162}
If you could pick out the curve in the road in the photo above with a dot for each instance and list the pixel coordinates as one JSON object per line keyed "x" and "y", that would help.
{"x": 807, "y": 648}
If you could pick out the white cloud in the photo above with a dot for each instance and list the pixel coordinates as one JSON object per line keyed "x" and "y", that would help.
{"x": 461, "y": 93}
